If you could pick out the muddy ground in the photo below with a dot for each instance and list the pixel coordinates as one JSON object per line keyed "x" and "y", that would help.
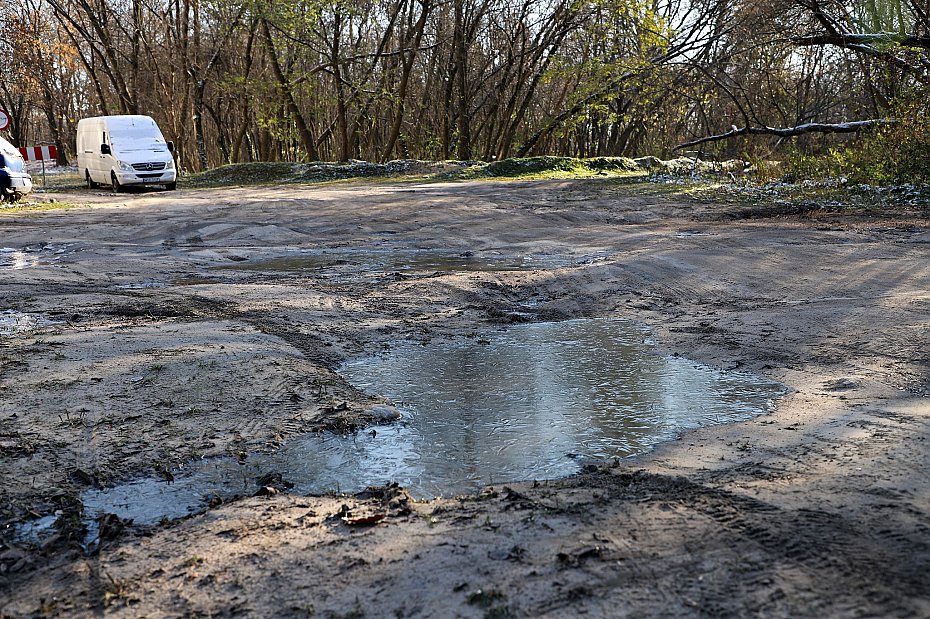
{"x": 169, "y": 345}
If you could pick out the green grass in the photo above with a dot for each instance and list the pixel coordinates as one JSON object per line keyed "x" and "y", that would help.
{"x": 58, "y": 182}
{"x": 245, "y": 174}
{"x": 19, "y": 208}
{"x": 422, "y": 171}
{"x": 725, "y": 182}
{"x": 553, "y": 167}
{"x": 269, "y": 173}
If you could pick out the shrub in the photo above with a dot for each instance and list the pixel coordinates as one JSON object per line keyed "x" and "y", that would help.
{"x": 897, "y": 153}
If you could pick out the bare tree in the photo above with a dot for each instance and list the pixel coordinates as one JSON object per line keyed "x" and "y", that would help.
{"x": 231, "y": 80}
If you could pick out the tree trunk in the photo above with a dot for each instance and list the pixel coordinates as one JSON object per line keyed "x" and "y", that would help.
{"x": 404, "y": 80}
{"x": 460, "y": 55}
{"x": 303, "y": 131}
{"x": 342, "y": 117}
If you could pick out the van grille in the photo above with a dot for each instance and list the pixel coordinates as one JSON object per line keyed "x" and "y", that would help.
{"x": 145, "y": 167}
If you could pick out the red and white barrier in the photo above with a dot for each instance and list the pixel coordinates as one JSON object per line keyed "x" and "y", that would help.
{"x": 39, "y": 153}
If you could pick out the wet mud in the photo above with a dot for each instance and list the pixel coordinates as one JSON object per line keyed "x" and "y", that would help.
{"x": 144, "y": 337}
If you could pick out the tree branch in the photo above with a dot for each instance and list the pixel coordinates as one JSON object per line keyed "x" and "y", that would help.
{"x": 787, "y": 132}
{"x": 854, "y": 39}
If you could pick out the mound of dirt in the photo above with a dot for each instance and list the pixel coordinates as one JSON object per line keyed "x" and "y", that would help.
{"x": 262, "y": 173}
{"x": 281, "y": 172}
{"x": 541, "y": 165}
{"x": 248, "y": 174}
{"x": 686, "y": 166}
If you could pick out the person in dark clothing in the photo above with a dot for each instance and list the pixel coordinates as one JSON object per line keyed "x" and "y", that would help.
{"x": 6, "y": 184}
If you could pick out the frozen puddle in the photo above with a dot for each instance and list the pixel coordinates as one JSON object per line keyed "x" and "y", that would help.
{"x": 15, "y": 259}
{"x": 532, "y": 401}
{"x": 522, "y": 403}
{"x": 13, "y": 323}
{"x": 142, "y": 286}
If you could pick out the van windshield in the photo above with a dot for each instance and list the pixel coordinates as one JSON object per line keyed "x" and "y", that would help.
{"x": 127, "y": 139}
{"x": 125, "y": 142}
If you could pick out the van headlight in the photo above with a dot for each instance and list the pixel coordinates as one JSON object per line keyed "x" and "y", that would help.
{"x": 170, "y": 164}
{"x": 125, "y": 167}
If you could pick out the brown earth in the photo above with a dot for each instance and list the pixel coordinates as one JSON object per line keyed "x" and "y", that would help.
{"x": 169, "y": 345}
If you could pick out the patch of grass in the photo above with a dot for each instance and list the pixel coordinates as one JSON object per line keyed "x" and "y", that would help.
{"x": 553, "y": 167}
{"x": 784, "y": 197}
{"x": 652, "y": 184}
{"x": 735, "y": 181}
{"x": 815, "y": 198}
{"x": 422, "y": 171}
{"x": 117, "y": 592}
{"x": 492, "y": 601}
{"x": 58, "y": 182}
{"x": 267, "y": 173}
{"x": 498, "y": 612}
{"x": 892, "y": 154}
{"x": 246, "y": 174}
{"x": 19, "y": 208}
{"x": 484, "y": 599}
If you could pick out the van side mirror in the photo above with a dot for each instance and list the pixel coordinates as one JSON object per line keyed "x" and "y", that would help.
{"x": 170, "y": 145}
{"x": 105, "y": 149}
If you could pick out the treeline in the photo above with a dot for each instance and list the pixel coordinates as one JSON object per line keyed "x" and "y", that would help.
{"x": 248, "y": 80}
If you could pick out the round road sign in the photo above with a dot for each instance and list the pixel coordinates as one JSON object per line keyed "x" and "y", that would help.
{"x": 4, "y": 120}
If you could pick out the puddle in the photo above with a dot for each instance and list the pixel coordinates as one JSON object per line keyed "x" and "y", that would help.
{"x": 34, "y": 531}
{"x": 529, "y": 402}
{"x": 142, "y": 286}
{"x": 31, "y": 256}
{"x": 401, "y": 261}
{"x": 688, "y": 233}
{"x": 15, "y": 259}
{"x": 14, "y": 323}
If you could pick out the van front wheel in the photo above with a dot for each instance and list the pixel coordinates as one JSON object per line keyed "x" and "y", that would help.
{"x": 171, "y": 186}
{"x": 90, "y": 182}
{"x": 114, "y": 183}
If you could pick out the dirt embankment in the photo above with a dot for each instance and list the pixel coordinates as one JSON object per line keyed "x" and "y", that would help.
{"x": 170, "y": 344}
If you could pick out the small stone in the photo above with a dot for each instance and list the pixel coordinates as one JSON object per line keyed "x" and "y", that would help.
{"x": 842, "y": 384}
{"x": 383, "y": 413}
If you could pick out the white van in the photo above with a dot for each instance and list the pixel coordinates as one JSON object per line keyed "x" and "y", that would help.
{"x": 124, "y": 150}
{"x": 20, "y": 181}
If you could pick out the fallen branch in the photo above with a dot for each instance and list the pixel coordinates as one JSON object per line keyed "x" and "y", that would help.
{"x": 787, "y": 132}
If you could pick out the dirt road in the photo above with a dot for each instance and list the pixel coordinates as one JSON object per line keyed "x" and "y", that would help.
{"x": 163, "y": 339}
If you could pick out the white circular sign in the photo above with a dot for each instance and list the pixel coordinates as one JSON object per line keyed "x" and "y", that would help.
{"x": 4, "y": 120}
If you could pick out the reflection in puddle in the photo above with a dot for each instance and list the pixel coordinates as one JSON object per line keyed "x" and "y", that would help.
{"x": 34, "y": 531}
{"x": 687, "y": 233}
{"x": 15, "y": 259}
{"x": 143, "y": 286}
{"x": 537, "y": 398}
{"x": 528, "y": 402}
{"x": 13, "y": 323}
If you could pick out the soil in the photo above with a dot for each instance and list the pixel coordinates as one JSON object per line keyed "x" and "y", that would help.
{"x": 169, "y": 345}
